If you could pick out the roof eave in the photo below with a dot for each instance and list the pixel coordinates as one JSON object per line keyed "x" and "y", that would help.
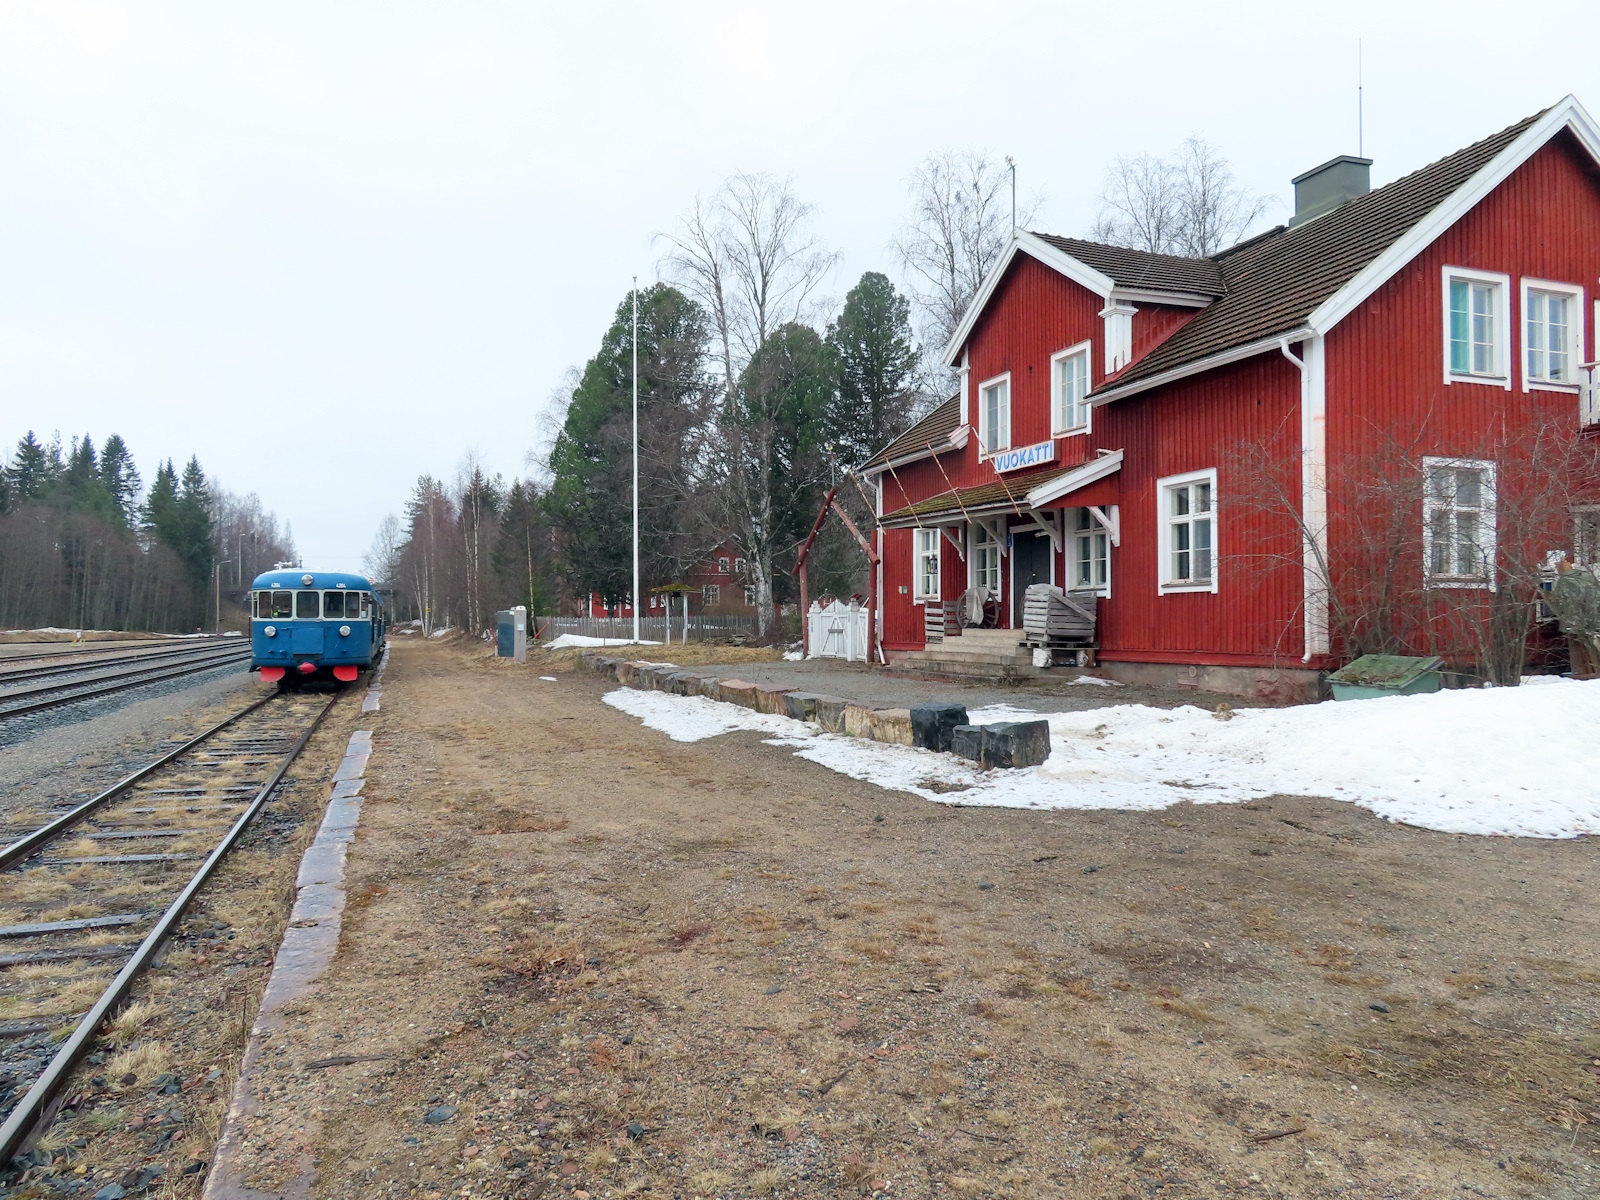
{"x": 1567, "y": 114}
{"x": 1220, "y": 359}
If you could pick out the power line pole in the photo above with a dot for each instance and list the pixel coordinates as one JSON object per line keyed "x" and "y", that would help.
{"x": 636, "y": 458}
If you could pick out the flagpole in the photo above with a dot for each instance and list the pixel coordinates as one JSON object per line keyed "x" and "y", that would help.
{"x": 636, "y": 458}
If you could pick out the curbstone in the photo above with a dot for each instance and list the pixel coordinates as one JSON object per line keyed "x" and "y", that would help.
{"x": 802, "y": 706}
{"x": 769, "y": 698}
{"x": 857, "y": 719}
{"x": 737, "y": 691}
{"x": 829, "y": 712}
{"x": 892, "y": 725}
{"x": 931, "y": 724}
{"x": 711, "y": 687}
{"x": 1007, "y": 744}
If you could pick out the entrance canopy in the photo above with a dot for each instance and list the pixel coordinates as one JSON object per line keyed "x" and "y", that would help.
{"x": 1035, "y": 493}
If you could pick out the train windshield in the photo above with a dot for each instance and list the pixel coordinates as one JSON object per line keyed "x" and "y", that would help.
{"x": 274, "y": 605}
{"x": 305, "y": 604}
{"x": 333, "y": 604}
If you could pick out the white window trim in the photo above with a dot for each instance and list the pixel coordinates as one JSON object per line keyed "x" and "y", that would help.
{"x": 918, "y": 596}
{"x": 1503, "y": 325}
{"x": 1084, "y": 348}
{"x": 1490, "y": 510}
{"x": 1579, "y": 512}
{"x": 1000, "y": 446}
{"x": 1575, "y": 355}
{"x": 1165, "y": 586}
{"x": 1071, "y": 556}
{"x": 998, "y": 543}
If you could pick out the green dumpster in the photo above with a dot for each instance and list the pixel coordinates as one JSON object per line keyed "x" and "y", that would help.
{"x": 1386, "y": 675}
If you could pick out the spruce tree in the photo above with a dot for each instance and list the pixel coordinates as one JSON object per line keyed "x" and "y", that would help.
{"x": 120, "y": 478}
{"x": 875, "y": 358}
{"x": 30, "y": 473}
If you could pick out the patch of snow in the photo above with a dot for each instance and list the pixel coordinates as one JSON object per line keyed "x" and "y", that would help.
{"x": 1509, "y": 761}
{"x": 441, "y": 632}
{"x": 568, "y": 641}
{"x": 549, "y": 679}
{"x": 792, "y": 656}
{"x": 1094, "y": 679}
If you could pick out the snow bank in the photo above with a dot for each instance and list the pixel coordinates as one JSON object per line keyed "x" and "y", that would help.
{"x": 569, "y": 641}
{"x": 1517, "y": 761}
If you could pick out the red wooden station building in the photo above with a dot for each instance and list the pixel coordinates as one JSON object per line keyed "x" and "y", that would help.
{"x": 1105, "y": 395}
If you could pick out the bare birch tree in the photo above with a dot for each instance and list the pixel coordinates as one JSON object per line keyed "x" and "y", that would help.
{"x": 1186, "y": 203}
{"x": 960, "y": 225}
{"x": 750, "y": 258}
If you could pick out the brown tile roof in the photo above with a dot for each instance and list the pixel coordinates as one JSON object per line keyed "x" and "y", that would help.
{"x": 935, "y": 428}
{"x": 1275, "y": 281}
{"x": 1141, "y": 269}
{"x": 1001, "y": 493}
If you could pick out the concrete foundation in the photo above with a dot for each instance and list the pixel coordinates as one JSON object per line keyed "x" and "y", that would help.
{"x": 1287, "y": 684}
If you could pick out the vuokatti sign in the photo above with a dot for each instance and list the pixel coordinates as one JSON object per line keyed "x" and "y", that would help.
{"x": 1024, "y": 456}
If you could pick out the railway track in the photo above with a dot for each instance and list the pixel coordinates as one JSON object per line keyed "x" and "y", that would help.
{"x": 20, "y": 701}
{"x": 92, "y": 892}
{"x": 77, "y": 649}
{"x": 10, "y": 675}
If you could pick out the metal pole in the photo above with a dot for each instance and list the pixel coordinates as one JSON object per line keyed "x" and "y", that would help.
{"x": 636, "y": 461}
{"x": 1012, "y": 164}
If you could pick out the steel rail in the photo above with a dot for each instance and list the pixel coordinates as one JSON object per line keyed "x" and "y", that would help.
{"x": 28, "y": 843}
{"x": 68, "y": 649}
{"x": 117, "y": 670}
{"x": 32, "y": 1108}
{"x": 210, "y": 664}
{"x": 8, "y": 677}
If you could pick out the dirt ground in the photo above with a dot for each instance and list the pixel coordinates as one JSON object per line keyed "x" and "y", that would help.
{"x": 581, "y": 959}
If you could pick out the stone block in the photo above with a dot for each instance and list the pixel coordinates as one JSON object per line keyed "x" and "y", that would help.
{"x": 711, "y": 687}
{"x": 679, "y": 681}
{"x": 769, "y": 698}
{"x": 737, "y": 691}
{"x": 931, "y": 724}
{"x": 892, "y": 725}
{"x": 858, "y": 720}
{"x": 587, "y": 657}
{"x": 830, "y": 713}
{"x": 628, "y": 673}
{"x": 802, "y": 706}
{"x": 646, "y": 677}
{"x": 1007, "y": 744}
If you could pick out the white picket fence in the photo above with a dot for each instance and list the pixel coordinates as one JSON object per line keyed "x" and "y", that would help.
{"x": 838, "y": 631}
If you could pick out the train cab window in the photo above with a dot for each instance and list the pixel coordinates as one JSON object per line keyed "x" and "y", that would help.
{"x": 358, "y": 605}
{"x": 333, "y": 604}
{"x": 305, "y": 604}
{"x": 275, "y": 606}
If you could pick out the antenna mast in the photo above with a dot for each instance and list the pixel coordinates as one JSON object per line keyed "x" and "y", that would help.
{"x": 1360, "y": 115}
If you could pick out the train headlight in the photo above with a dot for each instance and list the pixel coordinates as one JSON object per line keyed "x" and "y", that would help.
{"x": 271, "y": 631}
{"x": 344, "y": 631}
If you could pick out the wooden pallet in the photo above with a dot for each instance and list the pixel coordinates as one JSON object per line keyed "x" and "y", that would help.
{"x": 1053, "y": 617}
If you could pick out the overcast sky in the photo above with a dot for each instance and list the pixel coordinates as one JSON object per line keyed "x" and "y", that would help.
{"x": 329, "y": 246}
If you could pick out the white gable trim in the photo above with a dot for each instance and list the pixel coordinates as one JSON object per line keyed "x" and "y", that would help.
{"x": 1568, "y": 114}
{"x": 1025, "y": 243}
{"x": 1106, "y": 464}
{"x": 1200, "y": 365}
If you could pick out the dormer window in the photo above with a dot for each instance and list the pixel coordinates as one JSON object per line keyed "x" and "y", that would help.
{"x": 994, "y": 414}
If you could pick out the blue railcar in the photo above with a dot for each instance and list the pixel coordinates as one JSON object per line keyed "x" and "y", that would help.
{"x": 313, "y": 624}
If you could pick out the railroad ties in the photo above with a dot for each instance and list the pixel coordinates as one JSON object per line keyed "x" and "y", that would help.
{"x": 90, "y": 893}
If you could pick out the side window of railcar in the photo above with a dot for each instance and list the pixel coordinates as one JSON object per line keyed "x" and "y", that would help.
{"x": 275, "y": 606}
{"x": 306, "y": 604}
{"x": 333, "y": 604}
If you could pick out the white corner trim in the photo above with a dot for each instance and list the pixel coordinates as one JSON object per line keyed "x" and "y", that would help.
{"x": 964, "y": 371}
{"x": 1036, "y": 247}
{"x": 1566, "y": 114}
{"x": 1317, "y": 603}
{"x": 1106, "y": 464}
{"x": 1085, "y": 348}
{"x": 1575, "y": 342}
{"x": 1165, "y": 586}
{"x": 1500, "y": 378}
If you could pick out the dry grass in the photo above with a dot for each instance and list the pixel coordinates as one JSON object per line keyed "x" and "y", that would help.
{"x": 130, "y": 1022}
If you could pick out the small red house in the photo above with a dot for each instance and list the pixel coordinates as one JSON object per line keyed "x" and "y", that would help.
{"x": 1105, "y": 394}
{"x": 722, "y": 584}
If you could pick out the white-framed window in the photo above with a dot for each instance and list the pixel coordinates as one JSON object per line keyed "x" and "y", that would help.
{"x": 722, "y": 565}
{"x": 711, "y": 594}
{"x": 994, "y": 414}
{"x": 749, "y": 595}
{"x": 1186, "y": 528}
{"x": 1552, "y": 334}
{"x": 925, "y": 564}
{"x": 739, "y": 565}
{"x": 1091, "y": 555}
{"x": 1585, "y": 536}
{"x": 985, "y": 558}
{"x": 1069, "y": 390}
{"x": 1458, "y": 522}
{"x": 1477, "y": 326}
